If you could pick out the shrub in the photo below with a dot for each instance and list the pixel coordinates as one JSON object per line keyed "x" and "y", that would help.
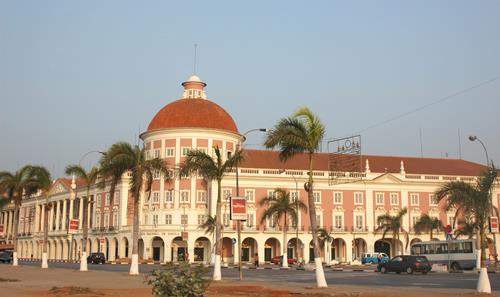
{"x": 179, "y": 280}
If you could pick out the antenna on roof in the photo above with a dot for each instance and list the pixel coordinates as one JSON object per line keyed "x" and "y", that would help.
{"x": 421, "y": 145}
{"x": 459, "y": 145}
{"x": 194, "y": 64}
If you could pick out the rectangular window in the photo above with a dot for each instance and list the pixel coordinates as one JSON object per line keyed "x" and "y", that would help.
{"x": 433, "y": 200}
{"x": 157, "y": 153}
{"x": 379, "y": 198}
{"x": 414, "y": 220}
{"x": 170, "y": 152}
{"x": 184, "y": 197}
{"x": 317, "y": 197}
{"x": 359, "y": 221}
{"x": 294, "y": 195}
{"x": 148, "y": 155}
{"x": 168, "y": 219}
{"x": 414, "y": 199}
{"x": 98, "y": 200}
{"x": 271, "y": 194}
{"x": 115, "y": 219}
{"x": 97, "y": 220}
{"x": 226, "y": 220}
{"x": 156, "y": 174}
{"x": 106, "y": 220}
{"x": 184, "y": 219}
{"x": 201, "y": 219}
{"x": 337, "y": 198}
{"x": 226, "y": 194}
{"x": 203, "y": 149}
{"x": 249, "y": 222}
{"x": 169, "y": 197}
{"x": 155, "y": 220}
{"x": 394, "y": 199}
{"x": 146, "y": 219}
{"x": 156, "y": 197}
{"x": 358, "y": 198}
{"x": 108, "y": 200}
{"x": 201, "y": 197}
{"x": 319, "y": 221}
{"x": 185, "y": 151}
{"x": 339, "y": 220}
{"x": 116, "y": 201}
{"x": 250, "y": 195}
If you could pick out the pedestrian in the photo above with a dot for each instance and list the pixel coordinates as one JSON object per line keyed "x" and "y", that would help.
{"x": 186, "y": 257}
{"x": 379, "y": 257}
{"x": 256, "y": 260}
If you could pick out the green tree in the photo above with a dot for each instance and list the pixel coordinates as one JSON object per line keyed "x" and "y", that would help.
{"x": 209, "y": 226}
{"x": 302, "y": 133}
{"x": 44, "y": 182}
{"x": 17, "y": 186}
{"x": 473, "y": 201}
{"x": 212, "y": 169}
{"x": 394, "y": 226}
{"x": 465, "y": 228}
{"x": 124, "y": 158}
{"x": 326, "y": 237}
{"x": 427, "y": 224}
{"x": 89, "y": 178}
{"x": 279, "y": 206}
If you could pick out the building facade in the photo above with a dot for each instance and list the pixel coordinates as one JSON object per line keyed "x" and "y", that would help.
{"x": 347, "y": 209}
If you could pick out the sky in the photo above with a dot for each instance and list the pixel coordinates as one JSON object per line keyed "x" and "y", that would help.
{"x": 77, "y": 76}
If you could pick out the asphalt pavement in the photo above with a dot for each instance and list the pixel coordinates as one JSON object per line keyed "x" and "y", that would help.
{"x": 368, "y": 278}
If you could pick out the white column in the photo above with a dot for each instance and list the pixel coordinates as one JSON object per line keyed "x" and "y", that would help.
{"x": 58, "y": 214}
{"x": 64, "y": 225}
{"x": 42, "y": 219}
{"x": 51, "y": 218}
{"x": 80, "y": 214}
{"x": 11, "y": 222}
{"x": 71, "y": 202}
{"x": 89, "y": 212}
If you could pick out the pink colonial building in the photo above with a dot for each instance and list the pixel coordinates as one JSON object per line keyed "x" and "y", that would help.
{"x": 348, "y": 210}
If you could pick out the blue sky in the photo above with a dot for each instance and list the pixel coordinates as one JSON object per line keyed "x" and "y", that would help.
{"x": 77, "y": 76}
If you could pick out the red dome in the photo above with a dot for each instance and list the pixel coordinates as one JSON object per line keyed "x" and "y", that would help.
{"x": 193, "y": 113}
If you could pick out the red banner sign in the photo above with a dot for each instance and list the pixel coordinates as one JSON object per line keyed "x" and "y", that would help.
{"x": 239, "y": 208}
{"x": 494, "y": 224}
{"x": 73, "y": 226}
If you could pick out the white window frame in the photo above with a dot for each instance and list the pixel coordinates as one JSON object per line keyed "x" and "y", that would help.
{"x": 201, "y": 219}
{"x": 155, "y": 220}
{"x": 98, "y": 200}
{"x": 317, "y": 197}
{"x": 115, "y": 219}
{"x": 168, "y": 219}
{"x": 156, "y": 175}
{"x": 414, "y": 199}
{"x": 105, "y": 222}
{"x": 226, "y": 219}
{"x": 294, "y": 195}
{"x": 107, "y": 201}
{"x": 117, "y": 198}
{"x": 414, "y": 220}
{"x": 201, "y": 197}
{"x": 393, "y": 195}
{"x": 432, "y": 199}
{"x": 185, "y": 150}
{"x": 356, "y": 216}
{"x": 184, "y": 196}
{"x": 250, "y": 223}
{"x": 335, "y": 225}
{"x": 157, "y": 153}
{"x": 169, "y": 152}
{"x": 225, "y": 195}
{"x": 338, "y": 198}
{"x": 379, "y": 195}
{"x": 271, "y": 194}
{"x": 184, "y": 219}
{"x": 169, "y": 196}
{"x": 156, "y": 197}
{"x": 203, "y": 149}
{"x": 250, "y": 195}
{"x": 358, "y": 195}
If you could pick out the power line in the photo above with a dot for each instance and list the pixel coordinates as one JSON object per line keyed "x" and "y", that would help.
{"x": 397, "y": 117}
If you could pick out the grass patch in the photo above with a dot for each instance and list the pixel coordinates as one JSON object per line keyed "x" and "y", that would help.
{"x": 68, "y": 291}
{"x": 7, "y": 280}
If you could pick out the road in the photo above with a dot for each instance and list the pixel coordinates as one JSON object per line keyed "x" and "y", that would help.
{"x": 466, "y": 280}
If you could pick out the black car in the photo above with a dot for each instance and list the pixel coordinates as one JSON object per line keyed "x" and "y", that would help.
{"x": 96, "y": 258}
{"x": 408, "y": 264}
{"x": 5, "y": 257}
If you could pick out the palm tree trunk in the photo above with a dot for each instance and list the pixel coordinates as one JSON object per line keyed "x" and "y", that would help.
{"x": 483, "y": 284}
{"x": 134, "y": 267}
{"x": 217, "y": 276}
{"x": 85, "y": 227}
{"x": 284, "y": 263}
{"x": 45, "y": 257}
{"x": 320, "y": 274}
{"x": 15, "y": 229}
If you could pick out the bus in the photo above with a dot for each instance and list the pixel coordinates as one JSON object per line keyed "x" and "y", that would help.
{"x": 455, "y": 254}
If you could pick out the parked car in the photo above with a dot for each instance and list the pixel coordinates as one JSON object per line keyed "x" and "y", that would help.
{"x": 408, "y": 264}
{"x": 278, "y": 259}
{"x": 374, "y": 258}
{"x": 96, "y": 258}
{"x": 5, "y": 257}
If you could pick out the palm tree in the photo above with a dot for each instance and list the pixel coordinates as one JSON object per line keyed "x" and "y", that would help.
{"x": 89, "y": 178}
{"x": 394, "y": 226}
{"x": 279, "y": 205}
{"x": 199, "y": 162}
{"x": 326, "y": 236}
{"x": 44, "y": 183}
{"x": 17, "y": 186}
{"x": 465, "y": 228}
{"x": 209, "y": 226}
{"x": 302, "y": 133}
{"x": 474, "y": 201}
{"x": 427, "y": 224}
{"x": 124, "y": 158}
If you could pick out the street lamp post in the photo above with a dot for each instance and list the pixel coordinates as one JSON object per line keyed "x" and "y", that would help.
{"x": 238, "y": 223}
{"x": 474, "y": 138}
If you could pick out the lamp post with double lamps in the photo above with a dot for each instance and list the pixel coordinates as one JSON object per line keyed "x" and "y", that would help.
{"x": 238, "y": 223}
{"x": 474, "y": 138}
